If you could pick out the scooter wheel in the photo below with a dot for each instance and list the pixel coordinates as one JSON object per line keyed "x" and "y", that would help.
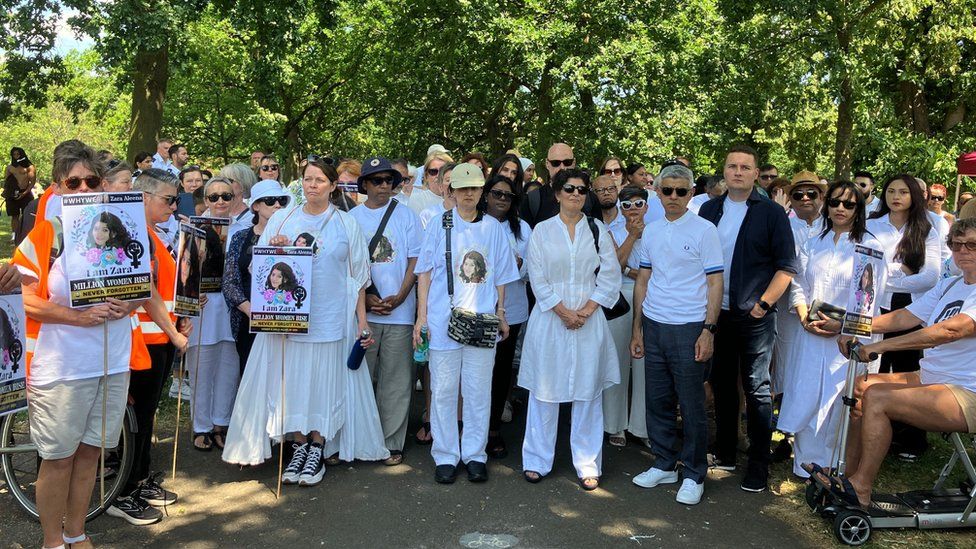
{"x": 852, "y": 527}
{"x": 815, "y": 496}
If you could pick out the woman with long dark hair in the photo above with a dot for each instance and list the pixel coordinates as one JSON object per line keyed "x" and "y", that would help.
{"x": 501, "y": 201}
{"x": 815, "y": 369}
{"x": 911, "y": 244}
{"x": 508, "y": 166}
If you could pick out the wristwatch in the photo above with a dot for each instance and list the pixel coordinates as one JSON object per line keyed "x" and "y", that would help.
{"x": 711, "y": 327}
{"x": 764, "y": 306}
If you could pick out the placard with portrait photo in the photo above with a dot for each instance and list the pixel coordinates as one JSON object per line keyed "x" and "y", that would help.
{"x": 280, "y": 289}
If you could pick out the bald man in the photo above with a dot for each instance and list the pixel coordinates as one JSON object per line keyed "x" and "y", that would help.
{"x": 540, "y": 204}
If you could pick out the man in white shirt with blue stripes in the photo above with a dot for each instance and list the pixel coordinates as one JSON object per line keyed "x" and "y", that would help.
{"x": 679, "y": 287}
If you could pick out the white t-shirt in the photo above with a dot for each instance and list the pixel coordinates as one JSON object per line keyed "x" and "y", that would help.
{"x": 655, "y": 209}
{"x": 420, "y": 199}
{"x": 53, "y": 208}
{"x": 680, "y": 254}
{"x": 618, "y": 231}
{"x": 340, "y": 251}
{"x": 516, "y": 299}
{"x": 481, "y": 258}
{"x": 65, "y": 352}
{"x": 400, "y": 241}
{"x": 950, "y": 362}
{"x": 728, "y": 232}
{"x": 430, "y": 212}
{"x": 696, "y": 202}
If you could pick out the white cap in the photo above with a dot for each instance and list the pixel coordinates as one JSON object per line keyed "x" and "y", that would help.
{"x": 526, "y": 163}
{"x": 436, "y": 148}
{"x": 266, "y": 188}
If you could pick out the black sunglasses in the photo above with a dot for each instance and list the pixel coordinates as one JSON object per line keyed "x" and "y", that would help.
{"x": 809, "y": 193}
{"x": 769, "y": 176}
{"x": 579, "y": 189}
{"x": 956, "y": 246}
{"x": 226, "y": 197}
{"x": 502, "y": 195}
{"x": 388, "y": 180}
{"x": 936, "y": 197}
{"x": 836, "y": 202}
{"x": 170, "y": 200}
{"x": 93, "y": 182}
{"x": 433, "y": 171}
{"x": 611, "y": 171}
{"x": 270, "y": 168}
{"x": 272, "y": 200}
{"x": 569, "y": 162}
{"x": 680, "y": 191}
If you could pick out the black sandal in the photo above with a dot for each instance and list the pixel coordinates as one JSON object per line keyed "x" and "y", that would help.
{"x": 496, "y": 447}
{"x": 424, "y": 441}
{"x": 534, "y": 480}
{"x": 207, "y": 440}
{"x": 219, "y": 437}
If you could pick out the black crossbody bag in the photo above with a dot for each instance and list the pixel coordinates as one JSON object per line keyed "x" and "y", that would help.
{"x": 375, "y": 241}
{"x": 465, "y": 327}
{"x": 621, "y": 307}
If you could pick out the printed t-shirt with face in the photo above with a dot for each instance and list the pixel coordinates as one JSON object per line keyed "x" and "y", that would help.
{"x": 516, "y": 299}
{"x": 401, "y": 241}
{"x": 733, "y": 214}
{"x": 339, "y": 250}
{"x": 950, "y": 362}
{"x": 482, "y": 259}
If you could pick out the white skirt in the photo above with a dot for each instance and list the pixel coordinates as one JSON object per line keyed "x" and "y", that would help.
{"x": 321, "y": 394}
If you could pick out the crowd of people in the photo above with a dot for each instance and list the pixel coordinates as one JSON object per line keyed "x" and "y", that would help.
{"x": 638, "y": 298}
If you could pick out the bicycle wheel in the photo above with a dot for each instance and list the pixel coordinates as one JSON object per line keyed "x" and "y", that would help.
{"x": 20, "y": 464}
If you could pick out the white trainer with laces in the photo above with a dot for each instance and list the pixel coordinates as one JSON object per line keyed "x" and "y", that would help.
{"x": 654, "y": 476}
{"x": 690, "y": 492}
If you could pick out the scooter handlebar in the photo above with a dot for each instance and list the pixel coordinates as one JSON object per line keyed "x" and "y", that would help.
{"x": 853, "y": 348}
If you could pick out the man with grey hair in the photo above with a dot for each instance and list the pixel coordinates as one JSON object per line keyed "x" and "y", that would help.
{"x": 714, "y": 188}
{"x": 679, "y": 287}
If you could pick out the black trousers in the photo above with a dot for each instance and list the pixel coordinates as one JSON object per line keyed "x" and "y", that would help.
{"x": 904, "y": 438}
{"x": 501, "y": 376}
{"x": 145, "y": 390}
{"x": 243, "y": 340}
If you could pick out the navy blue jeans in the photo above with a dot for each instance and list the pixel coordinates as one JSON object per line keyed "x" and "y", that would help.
{"x": 672, "y": 377}
{"x": 743, "y": 348}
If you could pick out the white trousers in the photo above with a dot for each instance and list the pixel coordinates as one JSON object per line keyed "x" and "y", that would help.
{"x": 214, "y": 384}
{"x": 585, "y": 438}
{"x": 470, "y": 368}
{"x": 812, "y": 445}
{"x": 623, "y": 411}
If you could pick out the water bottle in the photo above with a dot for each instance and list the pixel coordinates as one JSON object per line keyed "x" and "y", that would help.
{"x": 358, "y": 352}
{"x": 420, "y": 353}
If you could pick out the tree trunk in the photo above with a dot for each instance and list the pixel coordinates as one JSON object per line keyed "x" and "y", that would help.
{"x": 544, "y": 99}
{"x": 845, "y": 109}
{"x": 150, "y": 75}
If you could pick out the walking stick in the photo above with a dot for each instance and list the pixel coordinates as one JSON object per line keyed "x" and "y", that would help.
{"x": 196, "y": 376}
{"x": 281, "y": 444}
{"x": 179, "y": 401}
{"x": 101, "y": 450}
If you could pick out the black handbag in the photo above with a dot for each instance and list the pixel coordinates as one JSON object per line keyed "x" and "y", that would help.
{"x": 830, "y": 311}
{"x": 621, "y": 307}
{"x": 465, "y": 327}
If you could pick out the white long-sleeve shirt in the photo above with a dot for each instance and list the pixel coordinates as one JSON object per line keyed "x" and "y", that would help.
{"x": 897, "y": 281}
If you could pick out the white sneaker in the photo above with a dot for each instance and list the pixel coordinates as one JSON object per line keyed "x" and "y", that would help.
{"x": 690, "y": 492}
{"x": 654, "y": 476}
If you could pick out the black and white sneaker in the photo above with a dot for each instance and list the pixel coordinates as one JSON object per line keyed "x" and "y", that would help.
{"x": 154, "y": 494}
{"x": 314, "y": 469}
{"x": 134, "y": 510}
{"x": 294, "y": 469}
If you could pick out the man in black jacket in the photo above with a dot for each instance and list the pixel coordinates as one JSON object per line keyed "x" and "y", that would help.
{"x": 760, "y": 261}
{"x": 540, "y": 204}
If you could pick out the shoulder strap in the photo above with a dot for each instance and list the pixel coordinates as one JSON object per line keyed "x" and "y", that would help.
{"x": 596, "y": 240}
{"x": 949, "y": 286}
{"x": 375, "y": 241}
{"x": 447, "y": 222}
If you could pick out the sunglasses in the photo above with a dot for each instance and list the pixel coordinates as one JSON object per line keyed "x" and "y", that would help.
{"x": 272, "y": 200}
{"x": 328, "y": 160}
{"x": 864, "y": 185}
{"x": 112, "y": 164}
{"x": 633, "y": 204}
{"x": 769, "y": 176}
{"x": 680, "y": 191}
{"x": 502, "y": 195}
{"x": 606, "y": 190}
{"x": 569, "y": 162}
{"x": 937, "y": 198}
{"x": 799, "y": 195}
{"x": 388, "y": 180}
{"x": 433, "y": 171}
{"x": 836, "y": 202}
{"x": 611, "y": 171}
{"x": 226, "y": 197}
{"x": 93, "y": 182}
{"x": 270, "y": 168}
{"x": 579, "y": 189}
{"x": 956, "y": 246}
{"x": 170, "y": 199}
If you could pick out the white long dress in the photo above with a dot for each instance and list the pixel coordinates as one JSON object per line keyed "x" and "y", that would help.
{"x": 558, "y": 364}
{"x": 816, "y": 371}
{"x": 321, "y": 393}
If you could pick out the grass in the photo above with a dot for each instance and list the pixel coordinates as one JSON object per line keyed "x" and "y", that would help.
{"x": 6, "y": 243}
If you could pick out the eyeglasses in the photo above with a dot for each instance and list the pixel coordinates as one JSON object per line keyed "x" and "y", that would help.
{"x": 956, "y": 245}
{"x": 680, "y": 191}
{"x": 270, "y": 168}
{"x": 769, "y": 176}
{"x": 606, "y": 190}
{"x": 433, "y": 171}
{"x": 93, "y": 182}
{"x": 502, "y": 195}
{"x": 836, "y": 202}
{"x": 611, "y": 171}
{"x": 863, "y": 185}
{"x": 170, "y": 199}
{"x": 633, "y": 204}
{"x": 579, "y": 189}
{"x": 226, "y": 197}
{"x": 937, "y": 198}
{"x": 328, "y": 160}
{"x": 388, "y": 180}
{"x": 809, "y": 193}
{"x": 569, "y": 162}
{"x": 271, "y": 200}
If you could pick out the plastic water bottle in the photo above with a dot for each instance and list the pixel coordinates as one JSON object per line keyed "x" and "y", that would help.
{"x": 420, "y": 353}
{"x": 358, "y": 353}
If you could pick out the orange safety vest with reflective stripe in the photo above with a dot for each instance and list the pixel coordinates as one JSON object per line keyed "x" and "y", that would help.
{"x": 42, "y": 203}
{"x": 164, "y": 277}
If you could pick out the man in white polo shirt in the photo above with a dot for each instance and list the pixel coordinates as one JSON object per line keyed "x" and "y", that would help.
{"x": 680, "y": 288}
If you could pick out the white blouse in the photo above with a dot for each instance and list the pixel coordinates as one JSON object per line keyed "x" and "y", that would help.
{"x": 898, "y": 282}
{"x": 563, "y": 365}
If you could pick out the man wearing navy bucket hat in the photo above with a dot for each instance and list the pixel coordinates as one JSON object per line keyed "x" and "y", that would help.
{"x": 394, "y": 236}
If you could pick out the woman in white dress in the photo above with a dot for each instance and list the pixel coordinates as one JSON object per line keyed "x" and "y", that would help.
{"x": 328, "y": 407}
{"x": 572, "y": 357}
{"x": 811, "y": 398}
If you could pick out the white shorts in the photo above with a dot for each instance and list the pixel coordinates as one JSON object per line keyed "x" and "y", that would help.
{"x": 65, "y": 414}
